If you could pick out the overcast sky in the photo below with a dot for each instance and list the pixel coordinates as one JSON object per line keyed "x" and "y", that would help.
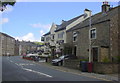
{"x": 30, "y": 20}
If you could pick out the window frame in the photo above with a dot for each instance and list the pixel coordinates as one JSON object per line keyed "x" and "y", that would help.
{"x": 75, "y": 34}
{"x": 90, "y": 33}
{"x": 61, "y": 35}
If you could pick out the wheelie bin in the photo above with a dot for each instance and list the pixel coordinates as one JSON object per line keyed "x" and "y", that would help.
{"x": 90, "y": 67}
{"x": 84, "y": 66}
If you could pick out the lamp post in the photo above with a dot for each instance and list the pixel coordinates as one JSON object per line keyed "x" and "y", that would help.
{"x": 90, "y": 56}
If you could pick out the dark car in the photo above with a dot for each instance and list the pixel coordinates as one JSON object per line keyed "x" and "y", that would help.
{"x": 59, "y": 61}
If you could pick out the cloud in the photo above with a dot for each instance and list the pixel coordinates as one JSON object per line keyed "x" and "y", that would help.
{"x": 4, "y": 20}
{"x": 42, "y": 32}
{"x": 27, "y": 37}
{"x": 39, "y": 25}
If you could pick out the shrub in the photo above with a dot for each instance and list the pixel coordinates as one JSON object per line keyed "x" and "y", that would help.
{"x": 117, "y": 59}
{"x": 106, "y": 60}
{"x": 84, "y": 60}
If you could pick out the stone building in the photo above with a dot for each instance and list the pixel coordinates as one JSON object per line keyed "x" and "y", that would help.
{"x": 27, "y": 47}
{"x": 60, "y": 32}
{"x": 7, "y": 43}
{"x": 102, "y": 30}
{"x": 16, "y": 51}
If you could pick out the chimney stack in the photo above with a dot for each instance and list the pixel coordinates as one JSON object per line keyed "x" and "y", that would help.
{"x": 105, "y": 7}
{"x": 63, "y": 21}
{"x": 87, "y": 13}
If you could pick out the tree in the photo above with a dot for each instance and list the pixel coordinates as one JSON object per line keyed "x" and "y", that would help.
{"x": 38, "y": 43}
{"x": 4, "y": 3}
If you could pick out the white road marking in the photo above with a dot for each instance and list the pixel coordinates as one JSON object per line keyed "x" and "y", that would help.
{"x": 11, "y": 61}
{"x": 41, "y": 61}
{"x": 38, "y": 72}
{"x": 17, "y": 64}
{"x": 33, "y": 70}
{"x": 25, "y": 64}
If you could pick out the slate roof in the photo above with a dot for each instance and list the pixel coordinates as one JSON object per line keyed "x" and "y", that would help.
{"x": 6, "y": 35}
{"x": 95, "y": 19}
{"x": 65, "y": 23}
{"x": 27, "y": 43}
{"x": 46, "y": 34}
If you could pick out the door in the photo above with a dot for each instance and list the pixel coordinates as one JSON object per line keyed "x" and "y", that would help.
{"x": 75, "y": 48}
{"x": 95, "y": 54}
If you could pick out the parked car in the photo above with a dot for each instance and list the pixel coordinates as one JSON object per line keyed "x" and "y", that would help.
{"x": 34, "y": 57}
{"x": 59, "y": 61}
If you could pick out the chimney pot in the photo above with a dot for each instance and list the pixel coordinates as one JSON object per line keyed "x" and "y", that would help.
{"x": 105, "y": 7}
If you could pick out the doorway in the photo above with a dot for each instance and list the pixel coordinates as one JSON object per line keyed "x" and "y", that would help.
{"x": 75, "y": 49}
{"x": 95, "y": 54}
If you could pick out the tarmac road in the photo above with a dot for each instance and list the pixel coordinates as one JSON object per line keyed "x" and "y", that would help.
{"x": 15, "y": 68}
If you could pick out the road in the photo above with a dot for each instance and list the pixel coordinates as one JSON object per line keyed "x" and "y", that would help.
{"x": 15, "y": 68}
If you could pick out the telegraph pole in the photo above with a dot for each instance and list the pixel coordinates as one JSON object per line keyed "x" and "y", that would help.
{"x": 90, "y": 56}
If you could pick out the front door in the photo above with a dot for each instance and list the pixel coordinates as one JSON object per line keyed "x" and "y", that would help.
{"x": 75, "y": 48}
{"x": 95, "y": 54}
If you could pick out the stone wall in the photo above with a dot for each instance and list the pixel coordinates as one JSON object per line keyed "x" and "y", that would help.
{"x": 69, "y": 37}
{"x": 104, "y": 54}
{"x": 16, "y": 51}
{"x": 83, "y": 43}
{"x": 10, "y": 45}
{"x": 105, "y": 68}
{"x": 114, "y": 35}
{"x": 98, "y": 67}
{"x": 119, "y": 37}
{"x": 74, "y": 64}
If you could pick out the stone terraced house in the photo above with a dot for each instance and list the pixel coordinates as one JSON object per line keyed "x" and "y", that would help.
{"x": 27, "y": 47}
{"x": 104, "y": 34}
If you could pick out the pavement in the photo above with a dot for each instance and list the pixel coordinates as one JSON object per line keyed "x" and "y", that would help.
{"x": 105, "y": 77}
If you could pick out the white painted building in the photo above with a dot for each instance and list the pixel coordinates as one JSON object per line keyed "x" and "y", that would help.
{"x": 49, "y": 39}
{"x": 57, "y": 34}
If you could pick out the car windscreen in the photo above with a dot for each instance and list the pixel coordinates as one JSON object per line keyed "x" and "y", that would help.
{"x": 61, "y": 57}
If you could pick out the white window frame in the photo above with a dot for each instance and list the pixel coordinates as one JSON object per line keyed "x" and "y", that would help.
{"x": 75, "y": 35}
{"x": 61, "y": 35}
{"x": 95, "y": 33}
{"x": 47, "y": 38}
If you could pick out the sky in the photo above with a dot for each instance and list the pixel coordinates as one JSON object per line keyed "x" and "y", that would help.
{"x": 30, "y": 20}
